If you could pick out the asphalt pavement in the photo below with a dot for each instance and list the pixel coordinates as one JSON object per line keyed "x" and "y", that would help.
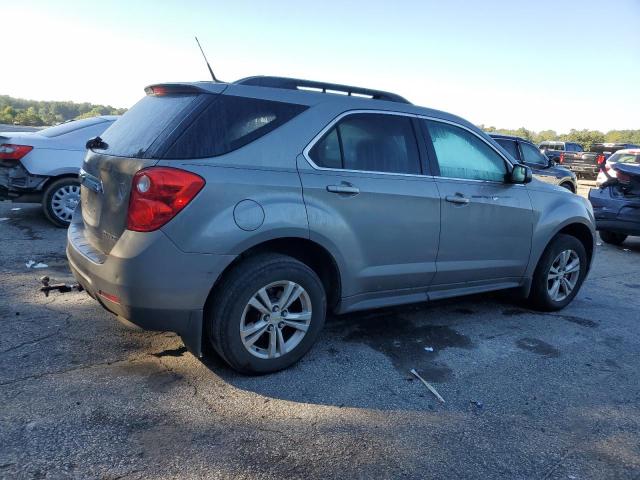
{"x": 528, "y": 395}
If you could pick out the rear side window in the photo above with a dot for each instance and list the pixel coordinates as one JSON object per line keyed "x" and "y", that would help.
{"x": 509, "y": 145}
{"x": 370, "y": 142}
{"x": 227, "y": 123}
{"x": 532, "y": 155}
{"x": 180, "y": 126}
{"x": 461, "y": 154}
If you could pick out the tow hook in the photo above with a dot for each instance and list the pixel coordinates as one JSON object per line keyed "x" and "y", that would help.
{"x": 60, "y": 287}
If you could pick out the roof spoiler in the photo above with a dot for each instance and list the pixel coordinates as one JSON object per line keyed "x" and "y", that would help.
{"x": 323, "y": 87}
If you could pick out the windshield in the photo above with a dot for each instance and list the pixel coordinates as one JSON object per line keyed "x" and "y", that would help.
{"x": 69, "y": 127}
{"x": 625, "y": 158}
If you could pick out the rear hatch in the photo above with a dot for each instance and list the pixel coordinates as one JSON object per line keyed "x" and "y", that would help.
{"x": 135, "y": 141}
{"x": 173, "y": 122}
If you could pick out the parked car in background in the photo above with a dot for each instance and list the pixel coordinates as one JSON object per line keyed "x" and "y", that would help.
{"x": 42, "y": 167}
{"x": 587, "y": 164}
{"x": 542, "y": 167}
{"x": 627, "y": 155}
{"x": 616, "y": 204}
{"x": 552, "y": 149}
{"x": 237, "y": 214}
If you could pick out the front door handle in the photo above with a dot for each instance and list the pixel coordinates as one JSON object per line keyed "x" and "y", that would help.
{"x": 457, "y": 199}
{"x": 348, "y": 189}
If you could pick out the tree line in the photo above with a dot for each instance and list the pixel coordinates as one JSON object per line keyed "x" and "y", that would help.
{"x": 40, "y": 113}
{"x": 585, "y": 137}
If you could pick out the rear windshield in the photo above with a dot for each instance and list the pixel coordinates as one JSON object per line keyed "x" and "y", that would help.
{"x": 625, "y": 158}
{"x": 194, "y": 125}
{"x": 69, "y": 127}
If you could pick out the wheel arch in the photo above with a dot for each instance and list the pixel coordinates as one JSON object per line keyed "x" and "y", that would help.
{"x": 315, "y": 256}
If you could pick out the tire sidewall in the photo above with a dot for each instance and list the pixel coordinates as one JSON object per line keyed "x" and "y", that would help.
{"x": 229, "y": 343}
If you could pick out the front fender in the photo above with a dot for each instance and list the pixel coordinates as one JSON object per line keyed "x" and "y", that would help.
{"x": 553, "y": 212}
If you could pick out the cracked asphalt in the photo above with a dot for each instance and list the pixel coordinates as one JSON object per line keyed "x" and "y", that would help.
{"x": 528, "y": 395}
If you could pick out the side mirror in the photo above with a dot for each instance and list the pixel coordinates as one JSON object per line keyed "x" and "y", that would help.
{"x": 521, "y": 174}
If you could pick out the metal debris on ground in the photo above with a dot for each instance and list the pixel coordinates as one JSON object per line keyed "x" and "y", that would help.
{"x": 33, "y": 264}
{"x": 4, "y": 219}
{"x": 598, "y": 244}
{"x": 15, "y": 209}
{"x": 427, "y": 384}
{"x": 428, "y": 349}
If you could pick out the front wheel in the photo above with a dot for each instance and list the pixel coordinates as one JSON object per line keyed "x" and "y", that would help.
{"x": 266, "y": 314}
{"x": 559, "y": 274}
{"x": 612, "y": 238}
{"x": 60, "y": 200}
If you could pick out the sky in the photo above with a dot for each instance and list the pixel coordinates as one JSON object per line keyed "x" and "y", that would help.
{"x": 537, "y": 64}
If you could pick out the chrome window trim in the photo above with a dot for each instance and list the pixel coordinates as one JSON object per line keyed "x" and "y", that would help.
{"x": 331, "y": 124}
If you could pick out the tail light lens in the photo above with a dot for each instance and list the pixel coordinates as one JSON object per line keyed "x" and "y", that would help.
{"x": 562, "y": 158}
{"x": 158, "y": 194}
{"x": 9, "y": 151}
{"x": 600, "y": 159}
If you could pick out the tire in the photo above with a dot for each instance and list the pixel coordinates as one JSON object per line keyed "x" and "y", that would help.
{"x": 229, "y": 311}
{"x": 60, "y": 199}
{"x": 612, "y": 238}
{"x": 541, "y": 296}
{"x": 568, "y": 186}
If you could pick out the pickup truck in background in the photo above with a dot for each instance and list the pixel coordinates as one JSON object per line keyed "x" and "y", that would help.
{"x": 583, "y": 164}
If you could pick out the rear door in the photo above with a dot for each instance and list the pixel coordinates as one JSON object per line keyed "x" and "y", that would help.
{"x": 486, "y": 222}
{"x": 367, "y": 198}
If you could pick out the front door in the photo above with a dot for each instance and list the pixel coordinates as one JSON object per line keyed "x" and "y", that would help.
{"x": 367, "y": 199}
{"x": 486, "y": 222}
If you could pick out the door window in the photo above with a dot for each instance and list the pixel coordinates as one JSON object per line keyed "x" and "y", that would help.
{"x": 461, "y": 154}
{"x": 369, "y": 142}
{"x": 532, "y": 155}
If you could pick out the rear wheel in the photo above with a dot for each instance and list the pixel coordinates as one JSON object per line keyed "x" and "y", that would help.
{"x": 60, "y": 200}
{"x": 266, "y": 314}
{"x": 559, "y": 274}
{"x": 612, "y": 238}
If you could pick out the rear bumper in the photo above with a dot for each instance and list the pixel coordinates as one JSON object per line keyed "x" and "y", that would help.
{"x": 17, "y": 184}
{"x": 583, "y": 169}
{"x": 146, "y": 280}
{"x": 620, "y": 215}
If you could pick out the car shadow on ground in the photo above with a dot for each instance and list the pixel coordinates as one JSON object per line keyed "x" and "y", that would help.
{"x": 363, "y": 358}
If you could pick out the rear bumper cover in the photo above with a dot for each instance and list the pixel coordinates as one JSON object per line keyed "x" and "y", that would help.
{"x": 615, "y": 214}
{"x": 17, "y": 184}
{"x": 158, "y": 287}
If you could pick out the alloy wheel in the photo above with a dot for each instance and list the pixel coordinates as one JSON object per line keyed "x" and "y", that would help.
{"x": 275, "y": 319}
{"x": 563, "y": 275}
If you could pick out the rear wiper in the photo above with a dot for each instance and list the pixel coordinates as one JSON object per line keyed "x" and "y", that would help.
{"x": 96, "y": 143}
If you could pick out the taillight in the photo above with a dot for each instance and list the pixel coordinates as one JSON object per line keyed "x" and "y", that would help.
{"x": 158, "y": 194}
{"x": 9, "y": 151}
{"x": 562, "y": 158}
{"x": 600, "y": 159}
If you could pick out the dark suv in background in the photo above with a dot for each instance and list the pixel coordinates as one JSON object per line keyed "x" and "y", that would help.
{"x": 543, "y": 168}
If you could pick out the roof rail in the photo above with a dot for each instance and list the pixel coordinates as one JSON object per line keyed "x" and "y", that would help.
{"x": 310, "y": 85}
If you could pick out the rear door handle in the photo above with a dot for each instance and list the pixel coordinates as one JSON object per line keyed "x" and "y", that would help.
{"x": 348, "y": 189}
{"x": 457, "y": 199}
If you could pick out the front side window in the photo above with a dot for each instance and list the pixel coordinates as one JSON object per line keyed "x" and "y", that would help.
{"x": 461, "y": 154}
{"x": 532, "y": 155}
{"x": 369, "y": 142}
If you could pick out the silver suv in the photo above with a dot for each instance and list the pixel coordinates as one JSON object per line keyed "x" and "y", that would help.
{"x": 238, "y": 214}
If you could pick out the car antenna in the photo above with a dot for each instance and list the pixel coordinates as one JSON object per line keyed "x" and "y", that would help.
{"x": 207, "y": 61}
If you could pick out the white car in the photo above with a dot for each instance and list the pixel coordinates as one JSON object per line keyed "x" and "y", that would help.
{"x": 42, "y": 167}
{"x": 628, "y": 155}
